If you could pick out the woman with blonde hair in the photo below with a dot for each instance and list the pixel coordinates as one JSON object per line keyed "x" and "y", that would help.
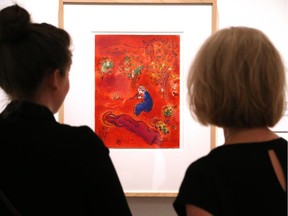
{"x": 237, "y": 82}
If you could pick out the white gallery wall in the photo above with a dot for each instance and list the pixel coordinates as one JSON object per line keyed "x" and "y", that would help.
{"x": 270, "y": 16}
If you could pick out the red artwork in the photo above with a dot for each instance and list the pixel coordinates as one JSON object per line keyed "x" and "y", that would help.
{"x": 137, "y": 90}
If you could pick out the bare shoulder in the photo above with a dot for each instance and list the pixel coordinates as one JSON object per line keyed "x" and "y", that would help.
{"x": 193, "y": 210}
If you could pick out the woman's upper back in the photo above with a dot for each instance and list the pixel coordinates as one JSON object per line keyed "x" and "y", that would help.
{"x": 53, "y": 169}
{"x": 237, "y": 179}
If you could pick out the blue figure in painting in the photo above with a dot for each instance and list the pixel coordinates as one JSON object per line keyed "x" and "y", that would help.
{"x": 147, "y": 103}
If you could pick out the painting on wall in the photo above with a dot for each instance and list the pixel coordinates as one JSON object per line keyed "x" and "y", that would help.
{"x": 137, "y": 84}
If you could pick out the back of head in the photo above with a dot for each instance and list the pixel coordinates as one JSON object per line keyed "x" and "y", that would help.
{"x": 237, "y": 80}
{"x": 14, "y": 23}
{"x": 29, "y": 52}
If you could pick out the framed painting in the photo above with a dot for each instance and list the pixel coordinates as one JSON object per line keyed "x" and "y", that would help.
{"x": 127, "y": 82}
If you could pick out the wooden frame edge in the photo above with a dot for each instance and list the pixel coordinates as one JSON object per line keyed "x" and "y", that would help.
{"x": 140, "y": 1}
{"x": 149, "y": 195}
{"x": 214, "y": 29}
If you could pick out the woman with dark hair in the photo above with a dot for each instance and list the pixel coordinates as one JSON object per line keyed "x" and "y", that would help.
{"x": 47, "y": 168}
{"x": 237, "y": 82}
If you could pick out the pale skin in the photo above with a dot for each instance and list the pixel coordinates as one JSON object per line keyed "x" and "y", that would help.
{"x": 52, "y": 91}
{"x": 246, "y": 135}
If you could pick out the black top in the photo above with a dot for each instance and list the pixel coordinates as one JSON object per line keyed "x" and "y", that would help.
{"x": 236, "y": 180}
{"x": 47, "y": 168}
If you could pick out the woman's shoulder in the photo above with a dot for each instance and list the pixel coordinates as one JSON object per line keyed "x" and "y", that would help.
{"x": 81, "y": 130}
{"x": 232, "y": 154}
{"x": 80, "y": 135}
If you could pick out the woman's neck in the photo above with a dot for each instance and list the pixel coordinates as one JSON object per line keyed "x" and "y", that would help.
{"x": 248, "y": 135}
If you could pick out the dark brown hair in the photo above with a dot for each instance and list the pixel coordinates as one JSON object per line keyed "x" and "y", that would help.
{"x": 29, "y": 52}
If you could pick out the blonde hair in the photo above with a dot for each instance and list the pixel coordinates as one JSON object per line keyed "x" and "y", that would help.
{"x": 237, "y": 80}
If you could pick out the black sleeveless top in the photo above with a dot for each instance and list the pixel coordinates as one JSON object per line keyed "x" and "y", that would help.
{"x": 236, "y": 180}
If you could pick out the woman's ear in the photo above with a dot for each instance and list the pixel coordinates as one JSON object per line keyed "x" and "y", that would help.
{"x": 55, "y": 79}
